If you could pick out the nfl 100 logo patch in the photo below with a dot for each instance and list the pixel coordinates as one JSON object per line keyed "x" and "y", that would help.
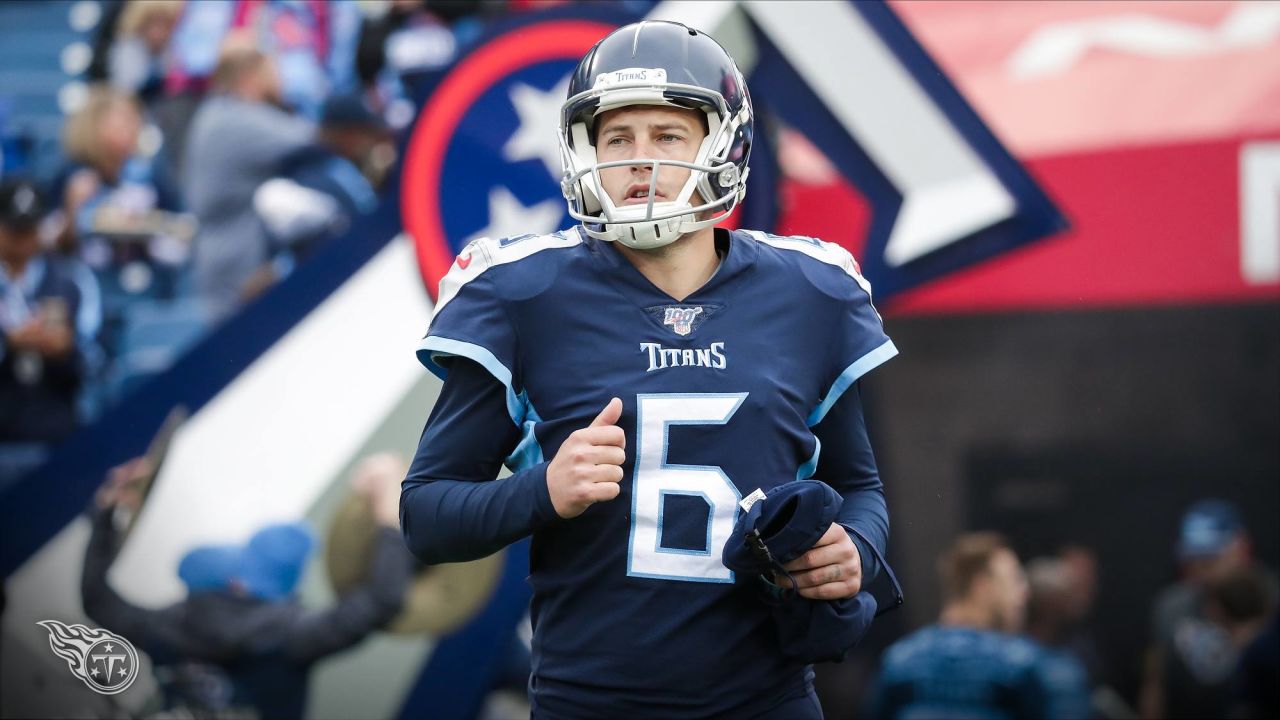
{"x": 681, "y": 319}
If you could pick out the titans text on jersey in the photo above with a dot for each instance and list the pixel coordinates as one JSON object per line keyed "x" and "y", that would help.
{"x": 661, "y": 358}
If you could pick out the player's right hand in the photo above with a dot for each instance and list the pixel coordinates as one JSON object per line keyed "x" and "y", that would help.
{"x": 588, "y": 467}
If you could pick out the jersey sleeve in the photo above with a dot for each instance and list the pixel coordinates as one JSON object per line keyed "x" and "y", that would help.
{"x": 470, "y": 321}
{"x": 858, "y": 340}
{"x": 451, "y": 508}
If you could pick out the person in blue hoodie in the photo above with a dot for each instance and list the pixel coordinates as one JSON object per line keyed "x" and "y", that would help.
{"x": 241, "y": 615}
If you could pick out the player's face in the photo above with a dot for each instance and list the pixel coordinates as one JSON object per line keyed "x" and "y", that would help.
{"x": 1008, "y": 596}
{"x": 647, "y": 133}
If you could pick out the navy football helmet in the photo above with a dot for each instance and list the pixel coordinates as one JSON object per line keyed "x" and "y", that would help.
{"x": 664, "y": 64}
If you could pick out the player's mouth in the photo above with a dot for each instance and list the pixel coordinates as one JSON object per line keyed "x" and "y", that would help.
{"x": 638, "y": 194}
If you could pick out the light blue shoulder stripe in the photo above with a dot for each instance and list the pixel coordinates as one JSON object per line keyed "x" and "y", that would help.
{"x": 857, "y": 369}
{"x": 433, "y": 345}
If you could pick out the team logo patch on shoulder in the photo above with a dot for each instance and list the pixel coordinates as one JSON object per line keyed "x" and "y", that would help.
{"x": 682, "y": 319}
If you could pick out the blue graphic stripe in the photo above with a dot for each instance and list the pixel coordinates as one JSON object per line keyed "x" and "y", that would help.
{"x": 528, "y": 452}
{"x": 807, "y": 470}
{"x": 860, "y": 367}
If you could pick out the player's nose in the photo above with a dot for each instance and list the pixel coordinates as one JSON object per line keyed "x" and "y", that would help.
{"x": 643, "y": 148}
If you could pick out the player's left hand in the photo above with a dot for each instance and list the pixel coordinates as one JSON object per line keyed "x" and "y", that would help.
{"x": 830, "y": 570}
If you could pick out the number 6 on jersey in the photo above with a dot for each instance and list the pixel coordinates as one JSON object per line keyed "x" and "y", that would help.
{"x": 655, "y": 479}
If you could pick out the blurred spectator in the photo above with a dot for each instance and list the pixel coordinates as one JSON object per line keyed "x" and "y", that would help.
{"x": 107, "y": 165}
{"x": 1081, "y": 567}
{"x": 324, "y": 187}
{"x": 238, "y": 140}
{"x": 412, "y": 38}
{"x": 131, "y": 51}
{"x": 1054, "y": 617}
{"x": 240, "y": 613}
{"x": 1242, "y": 602}
{"x": 1049, "y": 614}
{"x": 1063, "y": 590}
{"x": 970, "y": 664}
{"x": 353, "y": 133}
{"x": 49, "y": 315}
{"x": 121, "y": 213}
{"x": 1190, "y": 660}
{"x": 1257, "y": 678}
{"x": 312, "y": 41}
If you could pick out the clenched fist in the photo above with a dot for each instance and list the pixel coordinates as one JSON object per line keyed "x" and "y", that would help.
{"x": 588, "y": 467}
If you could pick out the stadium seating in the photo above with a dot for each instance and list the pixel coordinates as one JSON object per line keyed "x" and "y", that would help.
{"x": 155, "y": 334}
{"x": 44, "y": 48}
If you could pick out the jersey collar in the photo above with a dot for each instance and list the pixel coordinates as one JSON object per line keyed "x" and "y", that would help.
{"x": 740, "y": 251}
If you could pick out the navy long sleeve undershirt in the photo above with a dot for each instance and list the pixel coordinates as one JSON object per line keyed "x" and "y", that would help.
{"x": 848, "y": 464}
{"x": 452, "y": 509}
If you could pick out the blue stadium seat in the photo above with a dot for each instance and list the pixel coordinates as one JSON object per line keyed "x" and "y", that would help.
{"x": 155, "y": 335}
{"x": 33, "y": 37}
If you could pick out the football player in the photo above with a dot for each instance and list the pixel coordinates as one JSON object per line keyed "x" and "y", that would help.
{"x": 641, "y": 374}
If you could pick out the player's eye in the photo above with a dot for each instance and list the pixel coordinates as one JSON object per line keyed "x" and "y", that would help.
{"x": 615, "y": 140}
{"x": 668, "y": 137}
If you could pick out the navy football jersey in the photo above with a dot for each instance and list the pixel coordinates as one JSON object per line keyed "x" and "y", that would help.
{"x": 633, "y": 609}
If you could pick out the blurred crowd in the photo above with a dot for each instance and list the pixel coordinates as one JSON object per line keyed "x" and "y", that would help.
{"x": 1012, "y": 639}
{"x": 1016, "y": 641}
{"x": 218, "y": 144}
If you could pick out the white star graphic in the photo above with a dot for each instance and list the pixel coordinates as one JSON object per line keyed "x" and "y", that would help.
{"x": 507, "y": 217}
{"x": 94, "y": 672}
{"x": 536, "y": 137}
{"x": 110, "y": 647}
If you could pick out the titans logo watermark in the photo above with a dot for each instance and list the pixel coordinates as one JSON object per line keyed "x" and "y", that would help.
{"x": 104, "y": 661}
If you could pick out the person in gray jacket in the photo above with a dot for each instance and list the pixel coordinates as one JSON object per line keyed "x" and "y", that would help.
{"x": 237, "y": 141}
